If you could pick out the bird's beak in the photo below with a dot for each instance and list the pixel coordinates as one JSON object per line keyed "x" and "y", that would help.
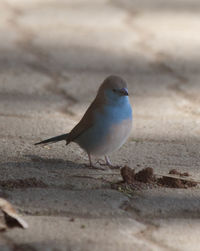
{"x": 124, "y": 92}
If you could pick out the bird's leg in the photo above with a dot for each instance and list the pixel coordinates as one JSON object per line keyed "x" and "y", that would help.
{"x": 102, "y": 163}
{"x": 108, "y": 163}
{"x": 91, "y": 164}
{"x": 90, "y": 160}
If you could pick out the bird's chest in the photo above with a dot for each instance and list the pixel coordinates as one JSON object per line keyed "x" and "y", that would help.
{"x": 113, "y": 128}
{"x": 118, "y": 133}
{"x": 111, "y": 137}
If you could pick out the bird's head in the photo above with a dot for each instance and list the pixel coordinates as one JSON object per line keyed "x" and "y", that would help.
{"x": 113, "y": 90}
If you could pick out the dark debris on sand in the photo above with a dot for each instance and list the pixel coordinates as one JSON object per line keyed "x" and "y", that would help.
{"x": 146, "y": 178}
{"x": 21, "y": 183}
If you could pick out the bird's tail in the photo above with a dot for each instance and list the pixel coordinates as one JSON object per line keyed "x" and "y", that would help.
{"x": 53, "y": 140}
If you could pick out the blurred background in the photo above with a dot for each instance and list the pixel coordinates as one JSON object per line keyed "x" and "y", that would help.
{"x": 54, "y": 54}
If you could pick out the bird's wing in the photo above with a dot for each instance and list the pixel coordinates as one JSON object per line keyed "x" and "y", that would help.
{"x": 85, "y": 123}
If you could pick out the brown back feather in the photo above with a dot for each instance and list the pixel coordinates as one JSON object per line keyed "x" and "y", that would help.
{"x": 85, "y": 123}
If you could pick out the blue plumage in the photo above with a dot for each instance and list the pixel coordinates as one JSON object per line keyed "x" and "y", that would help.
{"x": 106, "y": 124}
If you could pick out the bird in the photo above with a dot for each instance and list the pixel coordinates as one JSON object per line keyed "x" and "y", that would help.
{"x": 106, "y": 124}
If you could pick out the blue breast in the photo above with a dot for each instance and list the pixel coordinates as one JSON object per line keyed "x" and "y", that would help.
{"x": 103, "y": 121}
{"x": 118, "y": 112}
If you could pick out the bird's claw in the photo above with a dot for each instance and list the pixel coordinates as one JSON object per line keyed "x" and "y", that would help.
{"x": 94, "y": 167}
{"x": 102, "y": 163}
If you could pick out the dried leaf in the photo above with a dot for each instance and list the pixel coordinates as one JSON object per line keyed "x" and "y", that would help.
{"x": 11, "y": 217}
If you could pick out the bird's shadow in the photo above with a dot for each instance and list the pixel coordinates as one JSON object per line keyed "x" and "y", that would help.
{"x": 41, "y": 172}
{"x": 51, "y": 162}
{"x": 36, "y": 170}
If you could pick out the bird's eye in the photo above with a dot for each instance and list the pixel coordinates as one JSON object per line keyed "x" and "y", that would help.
{"x": 114, "y": 90}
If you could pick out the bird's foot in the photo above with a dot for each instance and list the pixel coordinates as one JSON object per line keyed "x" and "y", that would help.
{"x": 90, "y": 165}
{"x": 107, "y": 163}
{"x": 101, "y": 162}
{"x": 94, "y": 167}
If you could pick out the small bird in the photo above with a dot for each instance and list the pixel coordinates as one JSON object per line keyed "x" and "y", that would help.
{"x": 106, "y": 124}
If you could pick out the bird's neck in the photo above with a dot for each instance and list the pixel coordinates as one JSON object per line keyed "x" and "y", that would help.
{"x": 106, "y": 100}
{"x": 122, "y": 101}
